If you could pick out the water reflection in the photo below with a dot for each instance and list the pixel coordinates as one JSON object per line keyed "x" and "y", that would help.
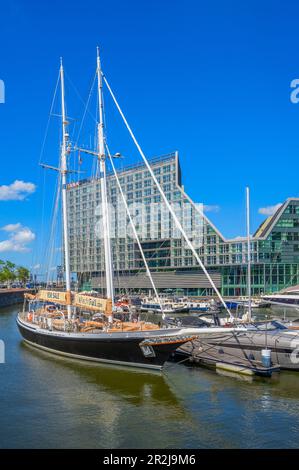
{"x": 51, "y": 401}
{"x": 134, "y": 385}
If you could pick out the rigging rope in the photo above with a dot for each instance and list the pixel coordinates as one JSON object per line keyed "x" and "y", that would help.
{"x": 37, "y": 263}
{"x": 51, "y": 246}
{"x": 134, "y": 228}
{"x": 48, "y": 122}
{"x": 178, "y": 224}
{"x": 86, "y": 107}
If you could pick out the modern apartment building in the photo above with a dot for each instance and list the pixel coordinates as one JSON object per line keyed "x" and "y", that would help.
{"x": 275, "y": 245}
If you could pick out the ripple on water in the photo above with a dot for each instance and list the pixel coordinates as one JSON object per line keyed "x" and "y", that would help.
{"x": 48, "y": 401}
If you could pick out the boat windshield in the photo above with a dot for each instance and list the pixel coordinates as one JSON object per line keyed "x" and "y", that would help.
{"x": 269, "y": 326}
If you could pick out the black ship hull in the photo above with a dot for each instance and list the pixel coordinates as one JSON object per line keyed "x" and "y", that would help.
{"x": 138, "y": 350}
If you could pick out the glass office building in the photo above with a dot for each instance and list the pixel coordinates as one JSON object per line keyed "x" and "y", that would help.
{"x": 275, "y": 245}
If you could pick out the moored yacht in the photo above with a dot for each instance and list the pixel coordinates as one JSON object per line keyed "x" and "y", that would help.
{"x": 195, "y": 306}
{"x": 101, "y": 338}
{"x": 286, "y": 298}
{"x": 150, "y": 305}
{"x": 281, "y": 342}
{"x": 55, "y": 321}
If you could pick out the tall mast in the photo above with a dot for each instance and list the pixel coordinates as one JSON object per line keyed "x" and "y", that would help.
{"x": 248, "y": 253}
{"x": 63, "y": 170}
{"x": 166, "y": 201}
{"x": 102, "y": 165}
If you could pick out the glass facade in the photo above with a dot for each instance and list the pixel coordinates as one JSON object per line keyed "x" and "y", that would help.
{"x": 275, "y": 245}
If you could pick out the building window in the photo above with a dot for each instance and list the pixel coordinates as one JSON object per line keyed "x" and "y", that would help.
{"x": 285, "y": 223}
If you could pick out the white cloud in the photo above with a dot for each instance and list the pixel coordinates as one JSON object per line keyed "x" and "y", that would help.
{"x": 16, "y": 191}
{"x": 269, "y": 210}
{"x": 19, "y": 238}
{"x": 24, "y": 235}
{"x": 11, "y": 227}
{"x": 211, "y": 208}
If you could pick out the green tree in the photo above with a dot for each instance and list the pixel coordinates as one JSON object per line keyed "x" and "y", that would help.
{"x": 11, "y": 266}
{"x": 22, "y": 274}
{"x": 1, "y": 271}
{"x": 7, "y": 273}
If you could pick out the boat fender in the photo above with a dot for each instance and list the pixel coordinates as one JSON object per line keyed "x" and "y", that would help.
{"x": 266, "y": 357}
{"x": 30, "y": 316}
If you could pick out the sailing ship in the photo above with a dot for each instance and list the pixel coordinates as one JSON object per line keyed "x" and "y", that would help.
{"x": 53, "y": 320}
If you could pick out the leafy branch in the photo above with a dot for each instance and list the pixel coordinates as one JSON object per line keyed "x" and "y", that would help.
{"x": 10, "y": 272}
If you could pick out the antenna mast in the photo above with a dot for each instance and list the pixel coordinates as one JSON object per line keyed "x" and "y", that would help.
{"x": 248, "y": 253}
{"x": 102, "y": 165}
{"x": 63, "y": 171}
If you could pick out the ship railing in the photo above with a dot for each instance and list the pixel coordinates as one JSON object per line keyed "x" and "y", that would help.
{"x": 43, "y": 320}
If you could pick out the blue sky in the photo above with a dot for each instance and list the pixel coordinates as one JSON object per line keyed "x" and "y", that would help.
{"x": 210, "y": 79}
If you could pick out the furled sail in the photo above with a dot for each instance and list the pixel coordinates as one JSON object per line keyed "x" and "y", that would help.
{"x": 29, "y": 296}
{"x": 88, "y": 302}
{"x": 53, "y": 296}
{"x": 93, "y": 303}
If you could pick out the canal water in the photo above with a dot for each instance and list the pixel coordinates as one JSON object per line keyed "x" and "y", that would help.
{"x": 52, "y": 402}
